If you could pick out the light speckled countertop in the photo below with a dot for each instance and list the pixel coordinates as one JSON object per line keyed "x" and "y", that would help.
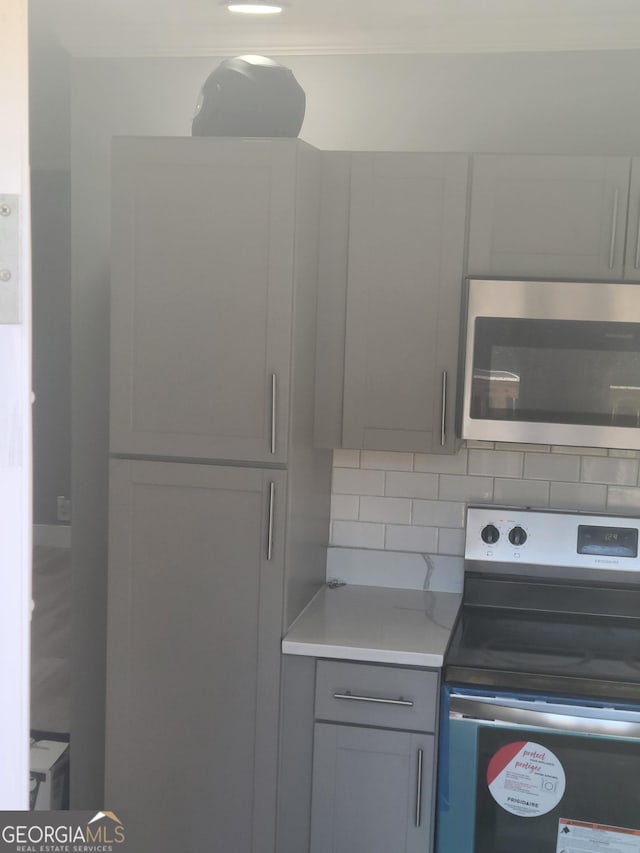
{"x": 367, "y": 623}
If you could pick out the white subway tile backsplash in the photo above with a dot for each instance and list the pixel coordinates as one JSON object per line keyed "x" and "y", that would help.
{"x": 438, "y": 513}
{"x": 398, "y": 515}
{"x": 454, "y": 488}
{"x": 355, "y": 481}
{"x": 523, "y": 448}
{"x": 346, "y": 458}
{"x": 411, "y": 484}
{"x": 357, "y": 534}
{"x": 386, "y": 460}
{"x": 579, "y": 451}
{"x": 345, "y": 507}
{"x": 411, "y": 538}
{"x": 533, "y": 493}
{"x": 436, "y": 463}
{"x": 625, "y": 454}
{"x": 451, "y": 541}
{"x": 495, "y": 463}
{"x": 552, "y": 466}
{"x": 578, "y": 496}
{"x": 623, "y": 499}
{"x": 385, "y": 510}
{"x": 618, "y": 472}
{"x": 471, "y": 443}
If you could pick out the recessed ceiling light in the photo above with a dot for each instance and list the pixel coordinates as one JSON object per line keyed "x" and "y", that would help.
{"x": 254, "y": 8}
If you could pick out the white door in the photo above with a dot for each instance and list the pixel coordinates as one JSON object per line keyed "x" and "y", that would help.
{"x": 15, "y": 407}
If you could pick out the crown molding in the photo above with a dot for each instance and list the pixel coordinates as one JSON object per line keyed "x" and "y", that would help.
{"x": 442, "y": 36}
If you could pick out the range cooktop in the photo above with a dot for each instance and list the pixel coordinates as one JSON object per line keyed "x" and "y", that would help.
{"x": 551, "y": 604}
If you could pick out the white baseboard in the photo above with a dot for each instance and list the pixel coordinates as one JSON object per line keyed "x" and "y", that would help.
{"x": 52, "y": 535}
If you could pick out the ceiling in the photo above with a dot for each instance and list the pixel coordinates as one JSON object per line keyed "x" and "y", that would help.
{"x": 205, "y": 28}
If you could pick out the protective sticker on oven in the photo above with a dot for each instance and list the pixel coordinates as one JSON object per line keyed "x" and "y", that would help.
{"x": 576, "y": 836}
{"x": 526, "y": 778}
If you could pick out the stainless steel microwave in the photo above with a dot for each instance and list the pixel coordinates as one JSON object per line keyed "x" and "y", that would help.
{"x": 552, "y": 362}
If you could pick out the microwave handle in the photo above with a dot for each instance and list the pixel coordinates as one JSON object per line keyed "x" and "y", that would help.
{"x": 463, "y": 708}
{"x": 443, "y": 410}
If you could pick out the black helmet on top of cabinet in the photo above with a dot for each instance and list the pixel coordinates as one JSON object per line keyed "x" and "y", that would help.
{"x": 249, "y": 96}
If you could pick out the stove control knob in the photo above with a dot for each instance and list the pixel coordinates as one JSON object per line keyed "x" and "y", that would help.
{"x": 490, "y": 534}
{"x": 517, "y": 536}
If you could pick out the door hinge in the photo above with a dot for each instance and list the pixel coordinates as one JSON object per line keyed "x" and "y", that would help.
{"x": 9, "y": 258}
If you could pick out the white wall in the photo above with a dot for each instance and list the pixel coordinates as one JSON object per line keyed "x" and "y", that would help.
{"x": 50, "y": 154}
{"x": 15, "y": 411}
{"x": 563, "y": 103}
{"x": 548, "y": 103}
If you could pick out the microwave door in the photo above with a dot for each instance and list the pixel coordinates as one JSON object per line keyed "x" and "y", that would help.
{"x": 553, "y": 381}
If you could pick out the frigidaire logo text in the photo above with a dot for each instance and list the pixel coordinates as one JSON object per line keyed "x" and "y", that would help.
{"x": 101, "y": 834}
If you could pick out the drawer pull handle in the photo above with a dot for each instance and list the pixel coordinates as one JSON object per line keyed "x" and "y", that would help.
{"x": 419, "y": 789}
{"x": 353, "y": 697}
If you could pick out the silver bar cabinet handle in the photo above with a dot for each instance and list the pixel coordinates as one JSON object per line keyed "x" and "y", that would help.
{"x": 419, "y": 789}
{"x": 636, "y": 260}
{"x": 354, "y": 697}
{"x": 272, "y": 494}
{"x": 443, "y": 434}
{"x": 274, "y": 388}
{"x": 614, "y": 223}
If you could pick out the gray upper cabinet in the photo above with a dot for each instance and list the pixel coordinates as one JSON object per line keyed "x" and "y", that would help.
{"x": 550, "y": 216}
{"x": 632, "y": 256}
{"x": 193, "y": 665}
{"x": 211, "y": 240}
{"x": 405, "y": 267}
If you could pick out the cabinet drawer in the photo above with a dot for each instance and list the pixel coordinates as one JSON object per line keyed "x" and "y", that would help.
{"x": 377, "y": 695}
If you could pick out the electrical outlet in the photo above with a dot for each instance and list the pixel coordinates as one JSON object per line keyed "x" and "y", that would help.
{"x": 63, "y": 508}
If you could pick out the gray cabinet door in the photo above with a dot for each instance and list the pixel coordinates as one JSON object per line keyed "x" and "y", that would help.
{"x": 368, "y": 795}
{"x": 203, "y": 234}
{"x": 406, "y": 249}
{"x": 194, "y": 627}
{"x": 632, "y": 260}
{"x": 548, "y": 216}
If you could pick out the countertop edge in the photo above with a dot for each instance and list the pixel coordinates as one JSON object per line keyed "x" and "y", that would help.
{"x": 371, "y": 655}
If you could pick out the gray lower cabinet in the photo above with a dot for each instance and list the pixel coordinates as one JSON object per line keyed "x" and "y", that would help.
{"x": 371, "y": 790}
{"x": 373, "y": 759}
{"x": 194, "y": 626}
{"x": 393, "y": 237}
{"x": 552, "y": 216}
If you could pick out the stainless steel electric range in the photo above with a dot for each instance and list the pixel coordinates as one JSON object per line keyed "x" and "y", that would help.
{"x": 540, "y": 728}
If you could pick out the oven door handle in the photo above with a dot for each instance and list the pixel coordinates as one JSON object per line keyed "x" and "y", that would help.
{"x": 466, "y": 708}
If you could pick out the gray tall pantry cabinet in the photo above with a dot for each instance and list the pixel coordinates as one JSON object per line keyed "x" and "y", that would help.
{"x": 218, "y": 502}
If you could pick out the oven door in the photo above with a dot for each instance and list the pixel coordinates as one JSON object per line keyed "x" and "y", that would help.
{"x": 537, "y": 776}
{"x": 553, "y": 363}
